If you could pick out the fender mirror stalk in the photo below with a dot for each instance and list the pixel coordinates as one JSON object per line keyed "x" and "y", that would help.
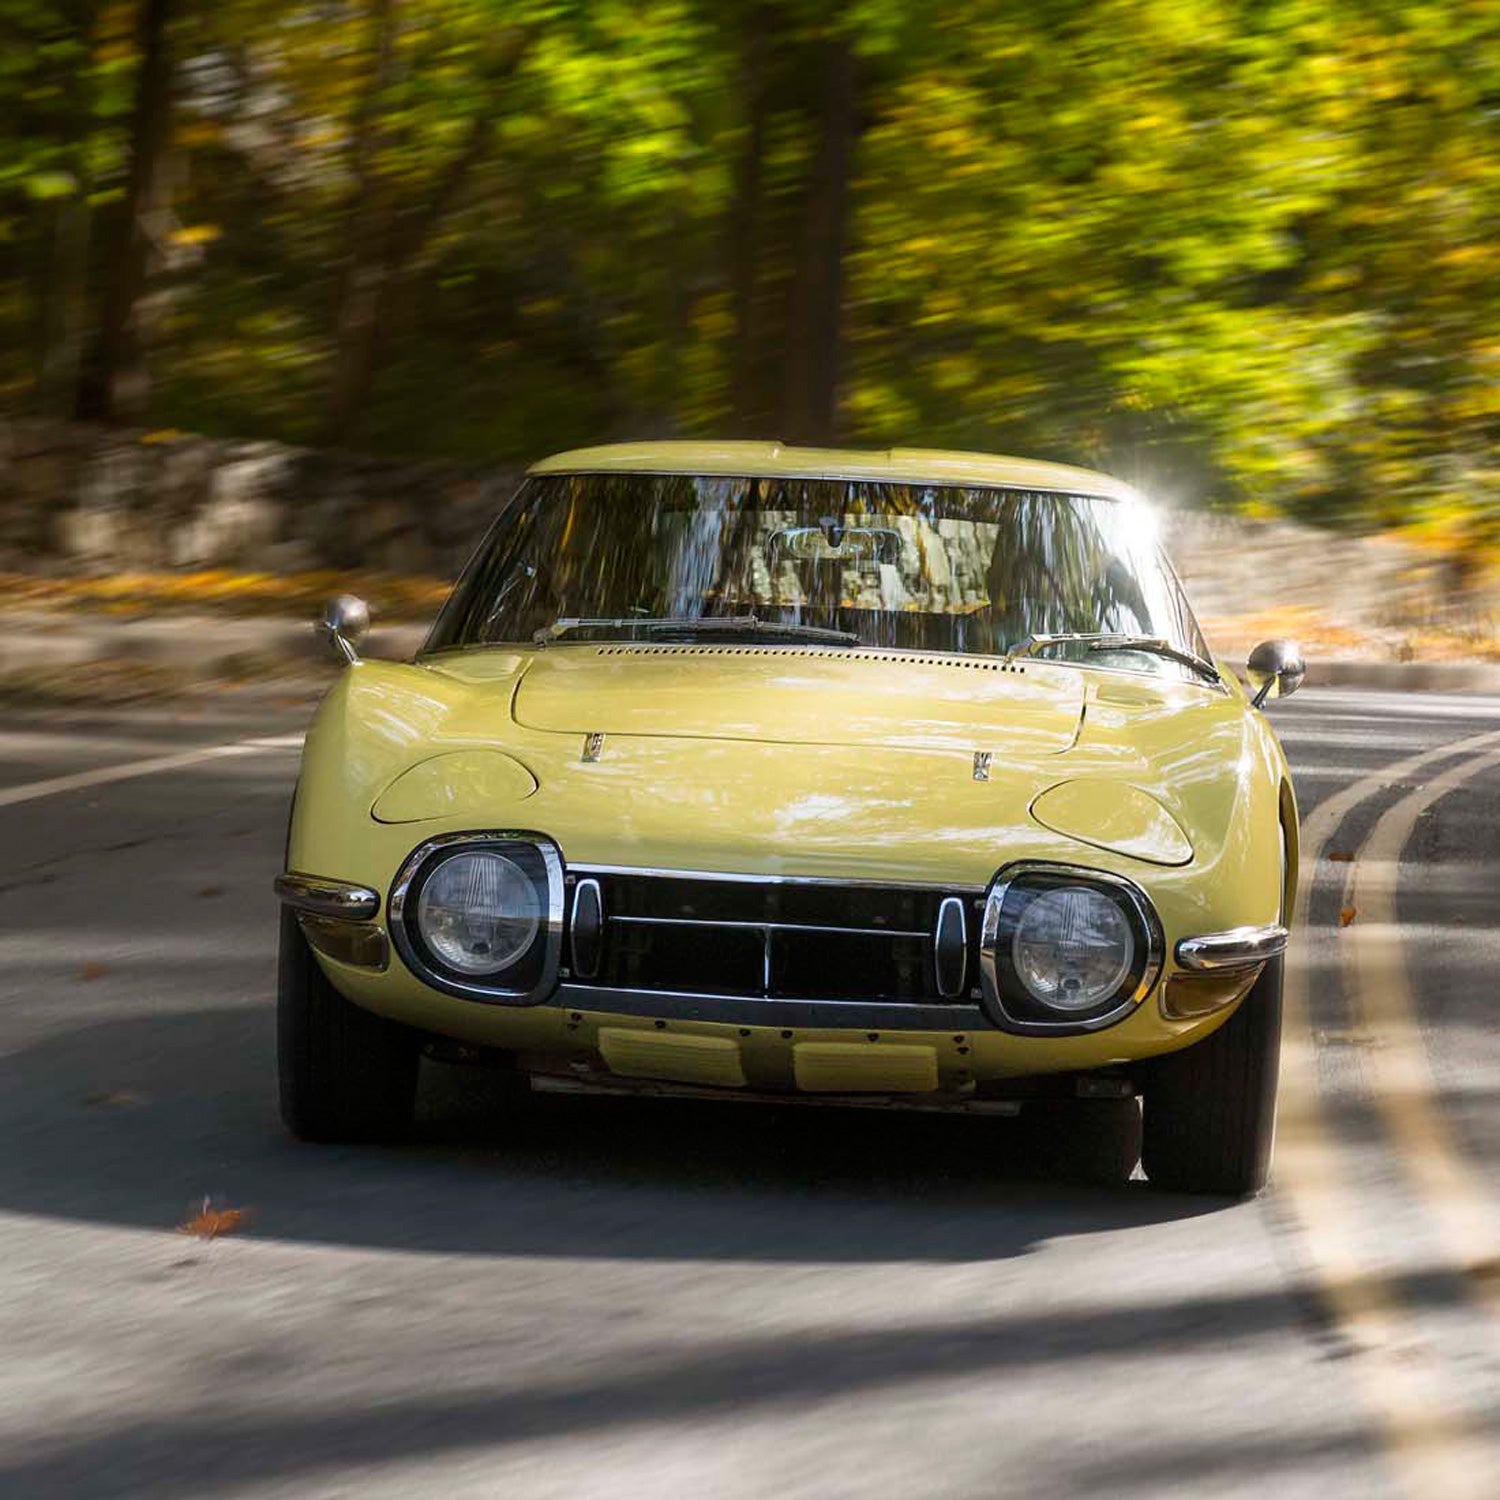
{"x": 1275, "y": 670}
{"x": 345, "y": 623}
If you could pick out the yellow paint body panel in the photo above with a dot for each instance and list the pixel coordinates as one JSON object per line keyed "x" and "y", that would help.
{"x": 1106, "y": 815}
{"x": 848, "y": 1068}
{"x": 632, "y": 1052}
{"x": 822, "y": 696}
{"x": 472, "y": 784}
{"x": 806, "y": 762}
{"x": 890, "y": 465}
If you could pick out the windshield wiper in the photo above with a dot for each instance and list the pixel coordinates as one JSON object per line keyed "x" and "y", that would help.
{"x": 751, "y": 625}
{"x": 689, "y": 625}
{"x": 1104, "y": 640}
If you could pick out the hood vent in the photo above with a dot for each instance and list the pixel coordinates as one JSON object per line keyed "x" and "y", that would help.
{"x": 824, "y": 653}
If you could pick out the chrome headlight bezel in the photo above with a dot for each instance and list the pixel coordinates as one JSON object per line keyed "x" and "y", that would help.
{"x": 529, "y": 979}
{"x": 1007, "y": 1003}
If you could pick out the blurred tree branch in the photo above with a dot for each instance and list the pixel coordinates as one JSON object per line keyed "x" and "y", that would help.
{"x": 1242, "y": 251}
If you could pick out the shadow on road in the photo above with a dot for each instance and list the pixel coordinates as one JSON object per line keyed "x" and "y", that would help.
{"x": 135, "y": 1122}
{"x": 719, "y": 1384}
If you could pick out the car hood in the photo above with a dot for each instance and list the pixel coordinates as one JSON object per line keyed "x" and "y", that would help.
{"x": 445, "y": 745}
{"x": 802, "y": 696}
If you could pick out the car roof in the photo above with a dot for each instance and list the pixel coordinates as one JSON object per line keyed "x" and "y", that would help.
{"x": 897, "y": 465}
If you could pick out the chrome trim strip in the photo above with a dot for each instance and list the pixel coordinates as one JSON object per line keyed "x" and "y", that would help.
{"x": 746, "y": 879}
{"x": 761, "y": 1010}
{"x": 989, "y": 935}
{"x": 322, "y": 897}
{"x": 948, "y": 1102}
{"x": 552, "y": 926}
{"x": 901, "y": 932}
{"x": 1239, "y": 948}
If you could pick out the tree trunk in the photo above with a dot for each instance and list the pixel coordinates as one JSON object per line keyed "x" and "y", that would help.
{"x": 62, "y": 277}
{"x": 810, "y": 402}
{"x": 115, "y": 383}
{"x": 388, "y": 242}
{"x": 367, "y": 223}
{"x": 358, "y": 328}
{"x": 746, "y": 214}
{"x": 63, "y": 307}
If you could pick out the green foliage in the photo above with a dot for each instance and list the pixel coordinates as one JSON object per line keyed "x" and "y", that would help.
{"x": 1240, "y": 250}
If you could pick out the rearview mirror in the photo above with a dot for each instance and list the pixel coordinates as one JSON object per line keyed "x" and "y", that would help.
{"x": 1275, "y": 670}
{"x": 345, "y": 623}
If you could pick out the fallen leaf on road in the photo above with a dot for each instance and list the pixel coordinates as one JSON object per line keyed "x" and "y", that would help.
{"x": 1341, "y": 858}
{"x": 1344, "y": 1038}
{"x": 116, "y": 1099}
{"x": 211, "y": 890}
{"x": 210, "y": 1222}
{"x": 1348, "y": 914}
{"x": 93, "y": 971}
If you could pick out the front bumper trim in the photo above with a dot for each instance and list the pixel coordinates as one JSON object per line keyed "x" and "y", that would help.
{"x": 320, "y": 897}
{"x": 950, "y": 1102}
{"x": 1225, "y": 952}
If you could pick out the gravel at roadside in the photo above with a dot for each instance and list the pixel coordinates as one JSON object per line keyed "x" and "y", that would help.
{"x": 205, "y": 646}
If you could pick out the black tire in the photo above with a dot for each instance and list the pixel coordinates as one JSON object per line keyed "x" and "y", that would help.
{"x": 346, "y": 1074}
{"x": 1210, "y": 1110}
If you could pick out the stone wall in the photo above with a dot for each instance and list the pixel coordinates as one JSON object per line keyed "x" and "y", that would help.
{"x": 75, "y": 498}
{"x": 83, "y": 499}
{"x": 1234, "y": 567}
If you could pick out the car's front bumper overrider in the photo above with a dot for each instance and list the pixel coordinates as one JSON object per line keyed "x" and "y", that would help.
{"x": 1233, "y": 952}
{"x": 319, "y": 896}
{"x": 337, "y": 917}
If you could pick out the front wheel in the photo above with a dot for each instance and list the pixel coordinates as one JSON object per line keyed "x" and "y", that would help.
{"x": 346, "y": 1074}
{"x": 1210, "y": 1110}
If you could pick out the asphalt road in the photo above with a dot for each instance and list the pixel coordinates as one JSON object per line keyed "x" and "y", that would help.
{"x": 597, "y": 1298}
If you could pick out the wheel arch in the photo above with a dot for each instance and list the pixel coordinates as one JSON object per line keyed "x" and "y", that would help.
{"x": 1291, "y": 834}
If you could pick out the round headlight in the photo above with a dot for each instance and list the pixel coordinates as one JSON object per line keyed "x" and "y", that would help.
{"x": 1073, "y": 948}
{"x": 479, "y": 912}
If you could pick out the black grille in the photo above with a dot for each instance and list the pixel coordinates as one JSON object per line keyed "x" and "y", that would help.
{"x": 784, "y": 941}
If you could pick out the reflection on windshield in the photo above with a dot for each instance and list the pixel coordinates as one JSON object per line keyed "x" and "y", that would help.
{"x": 920, "y": 567}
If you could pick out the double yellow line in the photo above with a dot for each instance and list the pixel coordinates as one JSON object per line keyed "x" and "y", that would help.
{"x": 1436, "y": 1446}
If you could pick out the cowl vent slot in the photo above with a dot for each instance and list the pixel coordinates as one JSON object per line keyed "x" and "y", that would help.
{"x": 884, "y": 658}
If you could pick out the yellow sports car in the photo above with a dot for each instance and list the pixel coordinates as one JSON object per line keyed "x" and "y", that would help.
{"x": 740, "y": 769}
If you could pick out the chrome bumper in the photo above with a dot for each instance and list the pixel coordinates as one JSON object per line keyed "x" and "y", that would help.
{"x": 1236, "y": 950}
{"x": 318, "y": 897}
{"x": 335, "y": 917}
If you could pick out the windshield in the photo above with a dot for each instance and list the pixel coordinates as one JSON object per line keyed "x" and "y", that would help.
{"x": 580, "y": 557}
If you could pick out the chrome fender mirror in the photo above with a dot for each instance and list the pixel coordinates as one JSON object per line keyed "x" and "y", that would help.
{"x": 1275, "y": 670}
{"x": 345, "y": 623}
